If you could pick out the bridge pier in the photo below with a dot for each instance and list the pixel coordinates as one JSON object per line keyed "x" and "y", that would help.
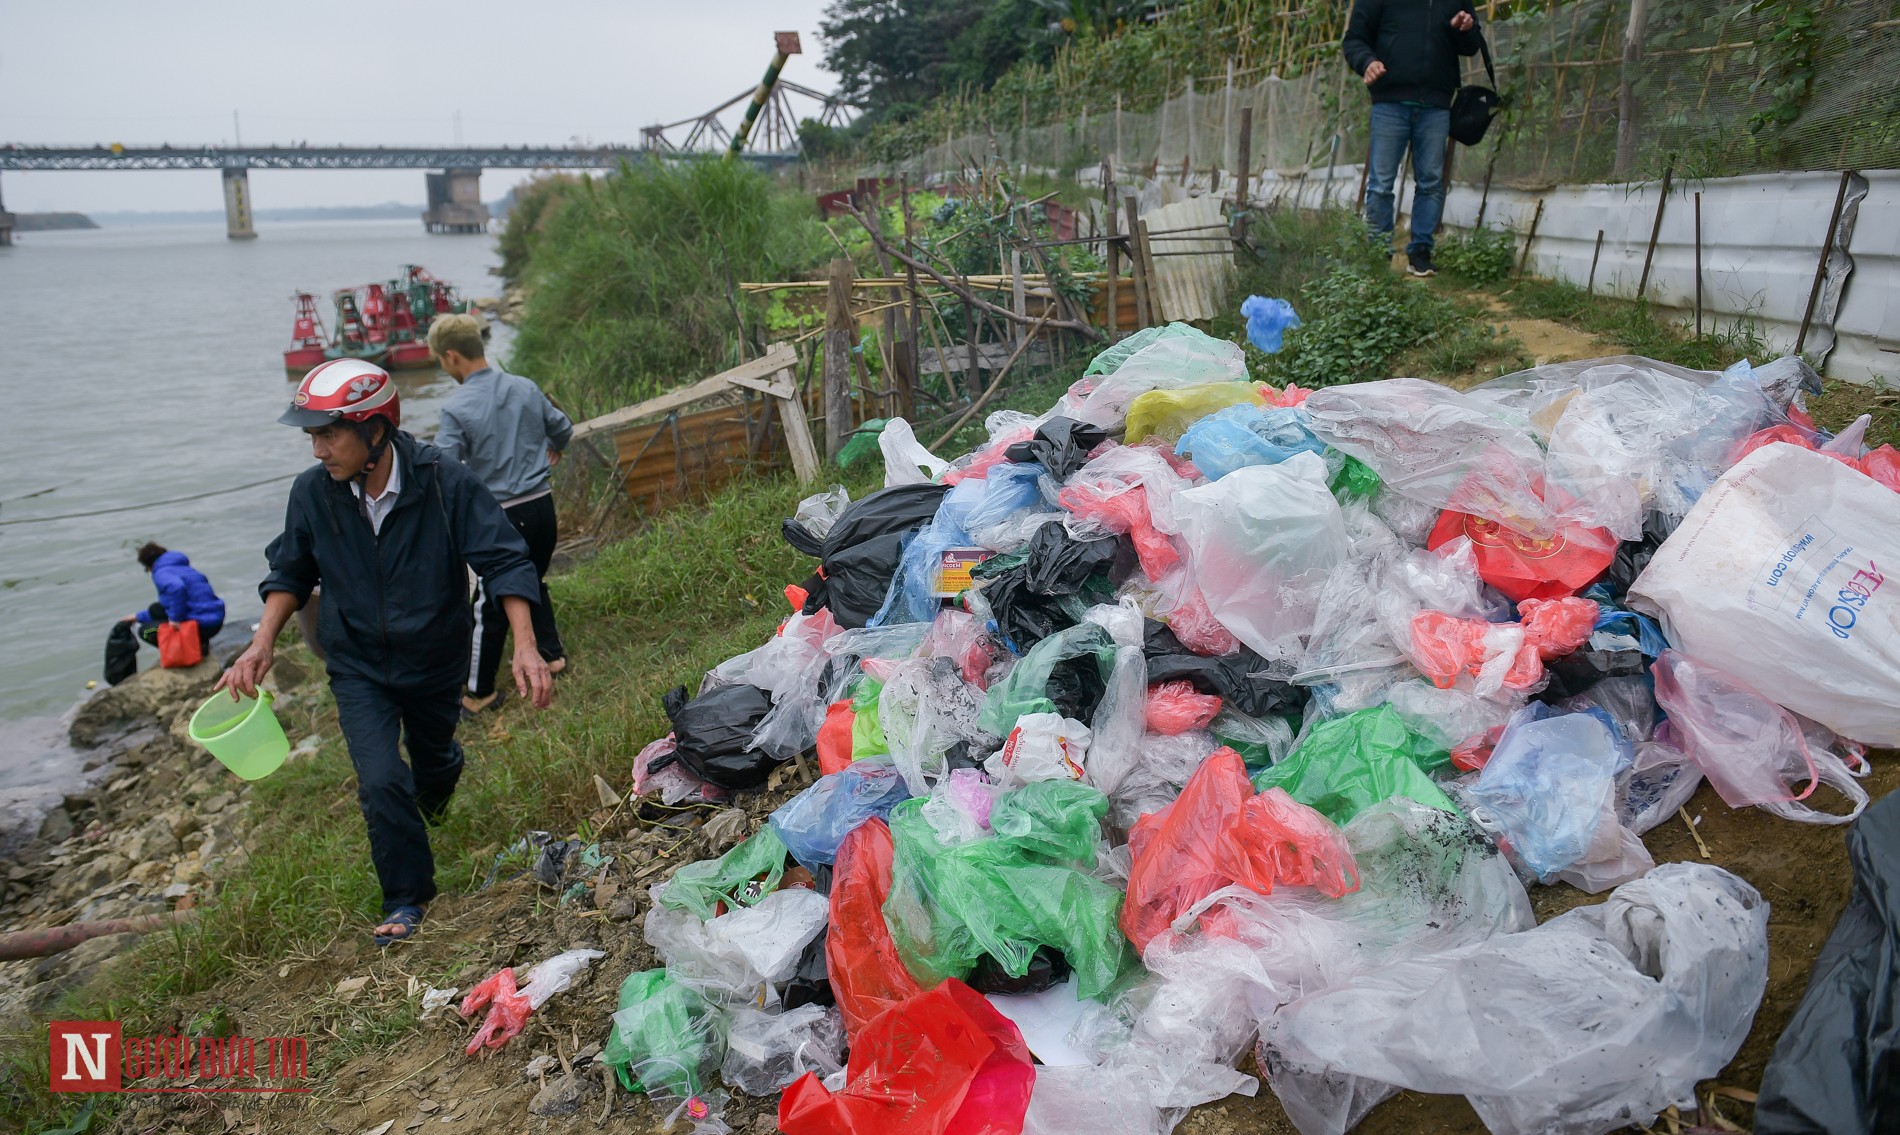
{"x": 455, "y": 202}
{"x": 6, "y": 225}
{"x": 237, "y": 204}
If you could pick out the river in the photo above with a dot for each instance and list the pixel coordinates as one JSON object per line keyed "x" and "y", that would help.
{"x": 142, "y": 364}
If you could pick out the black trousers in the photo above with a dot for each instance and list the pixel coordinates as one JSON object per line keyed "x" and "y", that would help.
{"x": 397, "y": 797}
{"x": 535, "y": 521}
{"x": 149, "y": 631}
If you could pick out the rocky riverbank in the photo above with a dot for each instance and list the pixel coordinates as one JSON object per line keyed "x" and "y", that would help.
{"x": 154, "y": 833}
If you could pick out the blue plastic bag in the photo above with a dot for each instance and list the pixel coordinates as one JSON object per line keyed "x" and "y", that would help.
{"x": 813, "y": 823}
{"x": 1244, "y": 435}
{"x": 974, "y": 505}
{"x": 1267, "y": 321}
{"x": 1550, "y": 781}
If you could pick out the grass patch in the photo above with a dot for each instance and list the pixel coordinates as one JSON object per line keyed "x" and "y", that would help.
{"x": 1634, "y": 325}
{"x": 1481, "y": 256}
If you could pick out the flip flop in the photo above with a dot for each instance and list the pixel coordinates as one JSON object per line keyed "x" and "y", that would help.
{"x": 408, "y": 917}
{"x": 501, "y": 697}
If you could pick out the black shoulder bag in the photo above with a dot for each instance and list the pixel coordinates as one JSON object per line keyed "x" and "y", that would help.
{"x": 1473, "y": 107}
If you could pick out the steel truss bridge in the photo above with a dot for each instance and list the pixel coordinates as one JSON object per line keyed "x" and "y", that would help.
{"x": 16, "y": 157}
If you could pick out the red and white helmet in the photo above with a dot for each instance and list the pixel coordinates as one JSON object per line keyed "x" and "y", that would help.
{"x": 344, "y": 390}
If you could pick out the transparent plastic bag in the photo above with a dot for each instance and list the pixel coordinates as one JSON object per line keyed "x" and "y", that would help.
{"x": 813, "y": 823}
{"x": 1595, "y": 1020}
{"x": 1245, "y": 435}
{"x": 1026, "y": 689}
{"x": 1261, "y": 542}
{"x": 818, "y": 512}
{"x": 1608, "y": 454}
{"x": 1752, "y": 751}
{"x": 737, "y": 878}
{"x": 1042, "y": 746}
{"x": 906, "y": 461}
{"x": 1176, "y": 356}
{"x": 666, "y": 1041}
{"x": 1436, "y": 445}
{"x": 738, "y": 957}
{"x": 765, "y": 1052}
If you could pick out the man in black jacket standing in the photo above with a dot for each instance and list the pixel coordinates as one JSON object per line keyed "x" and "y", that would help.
{"x": 1407, "y": 52}
{"x": 390, "y": 529}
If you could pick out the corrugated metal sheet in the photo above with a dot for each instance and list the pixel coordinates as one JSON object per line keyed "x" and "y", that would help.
{"x": 1191, "y": 287}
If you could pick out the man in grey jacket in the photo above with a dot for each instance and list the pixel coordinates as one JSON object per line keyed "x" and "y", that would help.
{"x": 511, "y": 436}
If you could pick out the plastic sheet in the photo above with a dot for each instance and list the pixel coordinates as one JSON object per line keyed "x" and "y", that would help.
{"x": 859, "y": 555}
{"x": 945, "y": 1062}
{"x": 1042, "y": 746}
{"x": 867, "y": 975}
{"x": 1174, "y": 707}
{"x": 1262, "y": 540}
{"x": 1166, "y": 414}
{"x": 1245, "y": 435}
{"x": 1268, "y": 320}
{"x": 1347, "y": 764}
{"x": 766, "y": 1052}
{"x": 1826, "y": 1072}
{"x": 712, "y": 734}
{"x": 1806, "y": 543}
{"x": 813, "y": 823}
{"x": 740, "y": 957}
{"x": 1752, "y": 751}
{"x": 1219, "y": 833}
{"x": 1593, "y": 1021}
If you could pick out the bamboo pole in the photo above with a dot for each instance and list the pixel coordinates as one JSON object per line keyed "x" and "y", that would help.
{"x": 1245, "y": 173}
{"x": 1591, "y": 287}
{"x": 57, "y": 939}
{"x": 1698, "y": 265}
{"x": 838, "y": 358}
{"x": 1143, "y": 310}
{"x": 1820, "y": 266}
{"x": 1532, "y": 236}
{"x": 1655, "y": 229}
{"x": 1111, "y": 252}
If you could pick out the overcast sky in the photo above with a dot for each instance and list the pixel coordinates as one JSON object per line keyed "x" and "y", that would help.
{"x": 365, "y": 74}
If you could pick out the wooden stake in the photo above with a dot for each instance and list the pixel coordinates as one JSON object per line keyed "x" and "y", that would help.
{"x": 1532, "y": 236}
{"x": 1820, "y": 266}
{"x": 1359, "y": 201}
{"x": 1112, "y": 250}
{"x": 971, "y": 380}
{"x": 838, "y": 327}
{"x": 1143, "y": 313}
{"x": 1245, "y": 173}
{"x": 1146, "y": 251}
{"x": 1017, "y": 300}
{"x": 910, "y": 280}
{"x": 1484, "y": 199}
{"x": 1698, "y": 265}
{"x": 1591, "y": 287}
{"x": 1655, "y": 229}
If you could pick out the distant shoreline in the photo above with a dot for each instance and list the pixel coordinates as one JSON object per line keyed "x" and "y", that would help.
{"x": 51, "y": 222}
{"x": 386, "y": 212}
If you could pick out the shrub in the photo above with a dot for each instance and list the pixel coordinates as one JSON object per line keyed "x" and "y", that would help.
{"x": 1482, "y": 256}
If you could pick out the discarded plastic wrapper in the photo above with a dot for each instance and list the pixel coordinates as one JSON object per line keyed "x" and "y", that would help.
{"x": 812, "y": 824}
{"x": 944, "y": 1062}
{"x": 1267, "y": 321}
{"x": 1041, "y": 746}
{"x": 508, "y": 1007}
{"x": 867, "y": 976}
{"x": 766, "y": 1052}
{"x": 1526, "y": 567}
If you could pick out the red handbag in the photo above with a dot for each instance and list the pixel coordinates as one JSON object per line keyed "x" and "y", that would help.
{"x": 179, "y": 645}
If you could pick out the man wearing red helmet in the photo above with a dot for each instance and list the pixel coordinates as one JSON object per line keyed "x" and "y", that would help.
{"x": 390, "y": 530}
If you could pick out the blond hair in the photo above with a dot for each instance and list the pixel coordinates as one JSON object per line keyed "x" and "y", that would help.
{"x": 459, "y": 333}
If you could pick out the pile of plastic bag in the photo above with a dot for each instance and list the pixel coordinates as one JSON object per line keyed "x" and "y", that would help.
{"x": 1192, "y": 719}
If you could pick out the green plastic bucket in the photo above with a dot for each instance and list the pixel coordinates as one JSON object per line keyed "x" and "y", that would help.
{"x": 244, "y": 734}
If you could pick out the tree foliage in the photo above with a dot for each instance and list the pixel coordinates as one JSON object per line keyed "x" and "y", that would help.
{"x": 896, "y": 56}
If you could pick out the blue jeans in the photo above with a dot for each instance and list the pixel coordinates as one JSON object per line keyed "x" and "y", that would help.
{"x": 1394, "y": 127}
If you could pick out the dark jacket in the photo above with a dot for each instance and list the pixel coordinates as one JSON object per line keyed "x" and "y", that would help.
{"x": 184, "y": 592}
{"x": 1415, "y": 41}
{"x": 395, "y": 606}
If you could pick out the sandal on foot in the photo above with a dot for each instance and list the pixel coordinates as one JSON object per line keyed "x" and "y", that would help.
{"x": 490, "y": 704}
{"x": 407, "y": 917}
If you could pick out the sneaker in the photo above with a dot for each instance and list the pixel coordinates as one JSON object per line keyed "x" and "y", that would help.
{"x": 1420, "y": 264}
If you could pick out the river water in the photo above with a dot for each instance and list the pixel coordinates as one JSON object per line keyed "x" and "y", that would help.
{"x": 143, "y": 364}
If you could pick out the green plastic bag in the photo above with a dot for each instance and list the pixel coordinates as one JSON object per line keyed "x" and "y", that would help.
{"x": 1026, "y": 688}
{"x": 867, "y": 729}
{"x": 1168, "y": 413}
{"x": 1354, "y": 481}
{"x": 1008, "y": 893}
{"x": 1350, "y": 763}
{"x": 698, "y": 888}
{"x": 862, "y": 443}
{"x": 665, "y": 1038}
{"x": 1112, "y": 357}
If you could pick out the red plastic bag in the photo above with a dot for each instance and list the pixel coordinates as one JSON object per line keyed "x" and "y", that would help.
{"x": 507, "y": 1011}
{"x": 1883, "y": 465}
{"x": 834, "y": 737}
{"x": 1217, "y": 832}
{"x": 867, "y": 976}
{"x": 1176, "y": 707}
{"x": 944, "y": 1062}
{"x": 1445, "y": 647}
{"x": 1555, "y": 627}
{"x": 1525, "y": 568}
{"x": 1125, "y": 511}
{"x": 179, "y": 645}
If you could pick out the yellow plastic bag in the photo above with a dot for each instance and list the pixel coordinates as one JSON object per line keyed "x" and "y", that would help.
{"x": 1167, "y": 413}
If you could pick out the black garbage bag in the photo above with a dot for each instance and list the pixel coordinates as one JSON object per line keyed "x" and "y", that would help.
{"x": 1240, "y": 679}
{"x": 712, "y": 732}
{"x": 1579, "y": 670}
{"x": 1836, "y": 1067}
{"x": 1061, "y": 446}
{"x": 1047, "y": 968}
{"x": 1049, "y": 584}
{"x": 122, "y": 653}
{"x": 1632, "y": 556}
{"x": 811, "y": 982}
{"x": 860, "y": 554}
